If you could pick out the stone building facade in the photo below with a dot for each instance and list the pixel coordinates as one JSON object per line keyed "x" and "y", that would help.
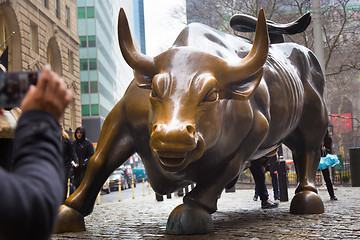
{"x": 36, "y": 32}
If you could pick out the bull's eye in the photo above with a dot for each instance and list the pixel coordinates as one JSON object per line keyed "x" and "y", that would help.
{"x": 211, "y": 96}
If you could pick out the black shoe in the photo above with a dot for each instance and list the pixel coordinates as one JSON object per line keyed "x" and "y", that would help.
{"x": 333, "y": 198}
{"x": 255, "y": 198}
{"x": 276, "y": 198}
{"x": 269, "y": 204}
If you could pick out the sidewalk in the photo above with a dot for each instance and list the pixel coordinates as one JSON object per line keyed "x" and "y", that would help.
{"x": 238, "y": 217}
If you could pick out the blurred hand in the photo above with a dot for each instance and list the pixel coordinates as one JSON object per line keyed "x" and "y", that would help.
{"x": 50, "y": 94}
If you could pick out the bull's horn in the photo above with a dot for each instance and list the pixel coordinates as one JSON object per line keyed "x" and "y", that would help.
{"x": 138, "y": 61}
{"x": 256, "y": 58}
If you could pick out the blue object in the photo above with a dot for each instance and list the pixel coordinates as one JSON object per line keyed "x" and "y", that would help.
{"x": 327, "y": 161}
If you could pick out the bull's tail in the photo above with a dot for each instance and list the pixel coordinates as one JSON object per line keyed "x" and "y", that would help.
{"x": 247, "y": 23}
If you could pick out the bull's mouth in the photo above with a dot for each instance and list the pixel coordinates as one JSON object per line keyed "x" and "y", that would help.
{"x": 171, "y": 162}
{"x": 177, "y": 161}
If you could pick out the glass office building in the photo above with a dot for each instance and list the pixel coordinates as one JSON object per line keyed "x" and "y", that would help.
{"x": 104, "y": 74}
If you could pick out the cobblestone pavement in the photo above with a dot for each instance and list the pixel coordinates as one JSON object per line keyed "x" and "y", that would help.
{"x": 238, "y": 217}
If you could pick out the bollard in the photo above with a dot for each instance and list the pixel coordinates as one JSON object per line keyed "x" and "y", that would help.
{"x": 355, "y": 166}
{"x": 68, "y": 189}
{"x": 98, "y": 198}
{"x": 143, "y": 181}
{"x": 119, "y": 190}
{"x": 132, "y": 187}
{"x": 283, "y": 181}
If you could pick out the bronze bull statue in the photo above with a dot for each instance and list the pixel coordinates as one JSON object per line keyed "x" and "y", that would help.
{"x": 198, "y": 112}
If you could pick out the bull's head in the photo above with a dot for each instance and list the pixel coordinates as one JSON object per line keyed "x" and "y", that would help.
{"x": 187, "y": 85}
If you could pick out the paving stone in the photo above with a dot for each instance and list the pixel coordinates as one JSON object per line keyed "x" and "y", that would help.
{"x": 238, "y": 217}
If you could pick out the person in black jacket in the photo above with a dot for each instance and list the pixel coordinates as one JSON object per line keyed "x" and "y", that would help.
{"x": 70, "y": 158}
{"x": 32, "y": 192}
{"x": 84, "y": 150}
{"x": 326, "y": 148}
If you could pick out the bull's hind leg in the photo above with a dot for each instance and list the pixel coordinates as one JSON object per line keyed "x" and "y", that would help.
{"x": 305, "y": 143}
{"x": 306, "y": 199}
{"x": 114, "y": 147}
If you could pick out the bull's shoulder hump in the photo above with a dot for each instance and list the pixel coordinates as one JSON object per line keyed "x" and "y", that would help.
{"x": 288, "y": 49}
{"x": 205, "y": 38}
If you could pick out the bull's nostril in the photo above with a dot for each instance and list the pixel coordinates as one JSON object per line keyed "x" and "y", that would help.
{"x": 190, "y": 129}
{"x": 154, "y": 127}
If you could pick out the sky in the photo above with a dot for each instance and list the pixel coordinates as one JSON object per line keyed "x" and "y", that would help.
{"x": 161, "y": 26}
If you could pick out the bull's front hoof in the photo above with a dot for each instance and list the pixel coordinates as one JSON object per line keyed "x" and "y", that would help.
{"x": 187, "y": 219}
{"x": 69, "y": 220}
{"x": 306, "y": 202}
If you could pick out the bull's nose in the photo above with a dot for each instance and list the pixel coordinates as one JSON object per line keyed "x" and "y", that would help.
{"x": 177, "y": 138}
{"x": 177, "y": 129}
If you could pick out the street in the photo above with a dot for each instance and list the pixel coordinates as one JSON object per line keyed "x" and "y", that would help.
{"x": 139, "y": 191}
{"x": 238, "y": 217}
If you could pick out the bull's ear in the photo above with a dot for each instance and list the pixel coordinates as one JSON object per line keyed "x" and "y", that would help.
{"x": 142, "y": 81}
{"x": 243, "y": 89}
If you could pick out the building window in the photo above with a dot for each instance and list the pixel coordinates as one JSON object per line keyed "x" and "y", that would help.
{"x": 71, "y": 62}
{"x": 57, "y": 8}
{"x": 81, "y": 12}
{"x": 83, "y": 42}
{"x": 92, "y": 64}
{"x": 84, "y": 87}
{"x": 46, "y": 3}
{"x": 34, "y": 37}
{"x": 91, "y": 41}
{"x": 67, "y": 15}
{"x": 85, "y": 109}
{"x": 94, "y": 110}
{"x": 90, "y": 12}
{"x": 93, "y": 87}
{"x": 84, "y": 65}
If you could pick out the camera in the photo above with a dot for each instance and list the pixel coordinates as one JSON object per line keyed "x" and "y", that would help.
{"x": 14, "y": 86}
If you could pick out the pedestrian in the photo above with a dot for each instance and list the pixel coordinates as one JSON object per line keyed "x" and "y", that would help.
{"x": 257, "y": 170}
{"x": 326, "y": 148}
{"x": 32, "y": 192}
{"x": 270, "y": 164}
{"x": 84, "y": 150}
{"x": 70, "y": 158}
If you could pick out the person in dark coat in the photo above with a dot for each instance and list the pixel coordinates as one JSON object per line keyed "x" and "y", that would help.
{"x": 326, "y": 148}
{"x": 70, "y": 158}
{"x": 84, "y": 150}
{"x": 32, "y": 192}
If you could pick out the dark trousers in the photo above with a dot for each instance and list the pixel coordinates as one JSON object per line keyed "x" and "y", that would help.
{"x": 328, "y": 182}
{"x": 78, "y": 176}
{"x": 275, "y": 184}
{"x": 259, "y": 178}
